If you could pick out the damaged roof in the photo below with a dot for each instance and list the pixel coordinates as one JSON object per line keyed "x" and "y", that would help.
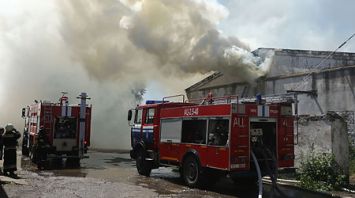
{"x": 285, "y": 62}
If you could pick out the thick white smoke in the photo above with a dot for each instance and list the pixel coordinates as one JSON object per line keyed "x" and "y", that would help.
{"x": 174, "y": 37}
{"x": 111, "y": 49}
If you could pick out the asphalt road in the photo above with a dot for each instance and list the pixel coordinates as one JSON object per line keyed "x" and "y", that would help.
{"x": 112, "y": 174}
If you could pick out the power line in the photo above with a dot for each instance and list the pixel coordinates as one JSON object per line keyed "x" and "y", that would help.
{"x": 308, "y": 76}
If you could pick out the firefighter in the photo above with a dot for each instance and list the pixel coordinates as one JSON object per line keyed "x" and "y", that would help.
{"x": 10, "y": 142}
{"x": 41, "y": 148}
{"x": 216, "y": 138}
{"x": 2, "y": 130}
{"x": 219, "y": 136}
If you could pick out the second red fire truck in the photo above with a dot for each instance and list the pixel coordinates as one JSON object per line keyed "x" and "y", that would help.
{"x": 67, "y": 128}
{"x": 208, "y": 140}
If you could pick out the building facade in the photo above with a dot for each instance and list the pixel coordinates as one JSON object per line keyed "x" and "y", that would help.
{"x": 321, "y": 82}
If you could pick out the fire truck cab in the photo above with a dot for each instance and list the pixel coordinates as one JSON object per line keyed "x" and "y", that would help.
{"x": 212, "y": 138}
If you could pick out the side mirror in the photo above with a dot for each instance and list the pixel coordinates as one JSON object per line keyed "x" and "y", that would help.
{"x": 23, "y": 112}
{"x": 129, "y": 115}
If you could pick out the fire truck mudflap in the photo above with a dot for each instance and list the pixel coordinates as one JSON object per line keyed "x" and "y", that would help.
{"x": 206, "y": 141}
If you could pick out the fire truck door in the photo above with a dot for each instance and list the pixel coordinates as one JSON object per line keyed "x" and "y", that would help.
{"x": 148, "y": 126}
{"x": 136, "y": 130}
{"x": 218, "y": 143}
{"x": 239, "y": 143}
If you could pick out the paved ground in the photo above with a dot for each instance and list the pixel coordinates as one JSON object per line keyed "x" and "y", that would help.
{"x": 115, "y": 175}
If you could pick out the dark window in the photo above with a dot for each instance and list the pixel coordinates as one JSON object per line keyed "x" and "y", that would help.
{"x": 65, "y": 127}
{"x": 194, "y": 131}
{"x": 218, "y": 130}
{"x": 138, "y": 116}
{"x": 150, "y": 116}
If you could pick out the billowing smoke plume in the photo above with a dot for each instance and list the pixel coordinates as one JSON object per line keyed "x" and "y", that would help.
{"x": 130, "y": 37}
{"x": 112, "y": 49}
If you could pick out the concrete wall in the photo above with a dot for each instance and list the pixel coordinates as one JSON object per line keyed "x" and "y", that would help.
{"x": 286, "y": 61}
{"x": 334, "y": 87}
{"x": 323, "y": 134}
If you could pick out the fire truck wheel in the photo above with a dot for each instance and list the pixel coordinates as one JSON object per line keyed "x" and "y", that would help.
{"x": 143, "y": 166}
{"x": 191, "y": 172}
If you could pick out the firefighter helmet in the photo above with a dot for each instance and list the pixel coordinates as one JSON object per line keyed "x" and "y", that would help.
{"x": 9, "y": 127}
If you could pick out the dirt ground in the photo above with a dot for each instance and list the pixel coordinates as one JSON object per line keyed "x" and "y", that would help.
{"x": 110, "y": 174}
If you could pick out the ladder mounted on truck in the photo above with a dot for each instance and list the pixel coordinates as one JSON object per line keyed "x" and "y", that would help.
{"x": 281, "y": 98}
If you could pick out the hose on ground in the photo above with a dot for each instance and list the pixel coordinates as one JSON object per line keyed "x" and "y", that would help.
{"x": 260, "y": 182}
{"x": 272, "y": 170}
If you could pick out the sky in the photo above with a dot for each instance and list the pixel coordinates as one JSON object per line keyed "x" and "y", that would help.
{"x": 112, "y": 49}
{"x": 293, "y": 24}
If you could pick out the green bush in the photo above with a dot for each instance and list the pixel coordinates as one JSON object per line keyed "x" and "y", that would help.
{"x": 351, "y": 159}
{"x": 322, "y": 173}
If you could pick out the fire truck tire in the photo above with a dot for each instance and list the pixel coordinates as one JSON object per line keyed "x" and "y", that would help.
{"x": 191, "y": 172}
{"x": 143, "y": 166}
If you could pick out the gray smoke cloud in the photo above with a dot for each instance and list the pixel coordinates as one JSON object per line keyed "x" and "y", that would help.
{"x": 174, "y": 37}
{"x": 111, "y": 49}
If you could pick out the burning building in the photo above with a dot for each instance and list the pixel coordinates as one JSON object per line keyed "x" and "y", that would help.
{"x": 321, "y": 82}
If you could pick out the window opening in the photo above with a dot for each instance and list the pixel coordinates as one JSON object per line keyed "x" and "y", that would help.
{"x": 138, "y": 116}
{"x": 194, "y": 131}
{"x": 150, "y": 116}
{"x": 218, "y": 131}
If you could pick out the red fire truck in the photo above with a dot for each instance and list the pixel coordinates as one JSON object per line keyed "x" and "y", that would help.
{"x": 67, "y": 128}
{"x": 207, "y": 140}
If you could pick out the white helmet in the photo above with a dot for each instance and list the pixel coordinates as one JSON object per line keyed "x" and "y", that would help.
{"x": 9, "y": 127}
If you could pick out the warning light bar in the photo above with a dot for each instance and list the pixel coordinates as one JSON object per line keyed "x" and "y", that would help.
{"x": 155, "y": 101}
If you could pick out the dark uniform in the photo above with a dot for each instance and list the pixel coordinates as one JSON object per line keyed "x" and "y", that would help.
{"x": 42, "y": 146}
{"x": 10, "y": 142}
{"x": 2, "y": 130}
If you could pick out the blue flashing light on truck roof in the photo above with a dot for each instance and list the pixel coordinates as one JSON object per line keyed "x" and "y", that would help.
{"x": 154, "y": 101}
